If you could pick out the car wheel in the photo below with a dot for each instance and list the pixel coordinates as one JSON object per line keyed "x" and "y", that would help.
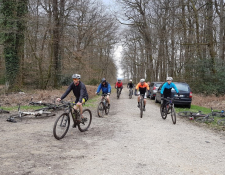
{"x": 156, "y": 100}
{"x": 189, "y": 106}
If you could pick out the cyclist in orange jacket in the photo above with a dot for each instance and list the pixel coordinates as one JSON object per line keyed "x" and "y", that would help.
{"x": 143, "y": 88}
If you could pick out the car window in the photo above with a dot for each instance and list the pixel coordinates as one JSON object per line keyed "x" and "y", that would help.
{"x": 181, "y": 87}
{"x": 158, "y": 84}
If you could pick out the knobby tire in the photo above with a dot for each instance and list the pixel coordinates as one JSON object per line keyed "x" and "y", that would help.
{"x": 84, "y": 125}
{"x": 101, "y": 109}
{"x": 61, "y": 126}
{"x": 163, "y": 114}
{"x": 173, "y": 115}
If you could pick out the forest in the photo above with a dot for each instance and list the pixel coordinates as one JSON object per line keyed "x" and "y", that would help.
{"x": 43, "y": 42}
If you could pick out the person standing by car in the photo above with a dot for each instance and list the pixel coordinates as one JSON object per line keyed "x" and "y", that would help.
{"x": 143, "y": 88}
{"x": 106, "y": 89}
{"x": 79, "y": 91}
{"x": 119, "y": 86}
{"x": 166, "y": 89}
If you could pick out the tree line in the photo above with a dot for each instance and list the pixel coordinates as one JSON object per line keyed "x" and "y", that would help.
{"x": 44, "y": 42}
{"x": 184, "y": 39}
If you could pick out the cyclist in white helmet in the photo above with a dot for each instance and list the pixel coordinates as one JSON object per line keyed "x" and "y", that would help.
{"x": 143, "y": 89}
{"x": 167, "y": 87}
{"x": 79, "y": 91}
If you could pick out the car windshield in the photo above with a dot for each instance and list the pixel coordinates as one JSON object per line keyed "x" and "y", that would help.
{"x": 158, "y": 84}
{"x": 181, "y": 87}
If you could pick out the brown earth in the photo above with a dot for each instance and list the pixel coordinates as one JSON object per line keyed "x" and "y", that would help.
{"x": 50, "y": 95}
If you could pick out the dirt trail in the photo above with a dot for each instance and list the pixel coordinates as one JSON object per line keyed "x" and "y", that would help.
{"x": 120, "y": 143}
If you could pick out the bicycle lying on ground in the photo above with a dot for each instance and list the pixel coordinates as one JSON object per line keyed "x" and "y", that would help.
{"x": 62, "y": 123}
{"x": 20, "y": 114}
{"x": 168, "y": 108}
{"x": 103, "y": 106}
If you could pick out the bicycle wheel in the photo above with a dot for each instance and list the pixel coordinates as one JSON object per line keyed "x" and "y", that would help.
{"x": 106, "y": 108}
{"x": 221, "y": 122}
{"x": 130, "y": 94}
{"x": 61, "y": 126}
{"x": 86, "y": 122}
{"x": 163, "y": 112}
{"x": 141, "y": 108}
{"x": 204, "y": 119}
{"x": 101, "y": 109}
{"x": 173, "y": 115}
{"x": 185, "y": 113}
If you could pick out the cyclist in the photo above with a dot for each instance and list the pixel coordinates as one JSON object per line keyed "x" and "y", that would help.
{"x": 119, "y": 85}
{"x": 130, "y": 85}
{"x": 79, "y": 91}
{"x": 106, "y": 89}
{"x": 166, "y": 89}
{"x": 143, "y": 88}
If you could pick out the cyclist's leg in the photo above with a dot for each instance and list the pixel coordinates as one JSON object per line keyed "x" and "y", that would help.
{"x": 108, "y": 101}
{"x": 138, "y": 101}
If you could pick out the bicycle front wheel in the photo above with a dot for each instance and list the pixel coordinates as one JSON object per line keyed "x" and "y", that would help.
{"x": 86, "y": 121}
{"x": 204, "y": 119}
{"x": 141, "y": 108}
{"x": 163, "y": 112}
{"x": 130, "y": 94}
{"x": 101, "y": 109}
{"x": 61, "y": 126}
{"x": 173, "y": 115}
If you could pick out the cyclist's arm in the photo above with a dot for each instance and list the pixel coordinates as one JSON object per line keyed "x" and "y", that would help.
{"x": 109, "y": 88}
{"x": 99, "y": 88}
{"x": 174, "y": 86}
{"x": 163, "y": 87}
{"x": 82, "y": 92}
{"x": 67, "y": 91}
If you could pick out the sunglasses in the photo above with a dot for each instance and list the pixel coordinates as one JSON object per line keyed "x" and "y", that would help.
{"x": 75, "y": 79}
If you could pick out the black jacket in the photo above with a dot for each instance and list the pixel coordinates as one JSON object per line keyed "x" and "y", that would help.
{"x": 79, "y": 92}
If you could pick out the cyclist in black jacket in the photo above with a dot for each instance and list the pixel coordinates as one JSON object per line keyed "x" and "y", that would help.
{"x": 79, "y": 91}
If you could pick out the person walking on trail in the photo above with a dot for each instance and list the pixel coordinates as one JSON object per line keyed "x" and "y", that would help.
{"x": 106, "y": 89}
{"x": 166, "y": 89}
{"x": 79, "y": 91}
{"x": 143, "y": 89}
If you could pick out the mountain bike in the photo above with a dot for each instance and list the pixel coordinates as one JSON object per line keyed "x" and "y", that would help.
{"x": 103, "y": 106}
{"x": 20, "y": 114}
{"x": 118, "y": 92}
{"x": 62, "y": 123}
{"x": 130, "y": 92}
{"x": 141, "y": 103}
{"x": 169, "y": 108}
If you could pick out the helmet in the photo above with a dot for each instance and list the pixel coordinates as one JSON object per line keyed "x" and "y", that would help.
{"x": 103, "y": 80}
{"x": 76, "y": 76}
{"x": 169, "y": 79}
{"x": 130, "y": 80}
{"x": 142, "y": 80}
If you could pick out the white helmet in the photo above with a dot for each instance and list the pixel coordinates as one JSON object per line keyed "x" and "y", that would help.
{"x": 76, "y": 76}
{"x": 142, "y": 80}
{"x": 130, "y": 80}
{"x": 169, "y": 79}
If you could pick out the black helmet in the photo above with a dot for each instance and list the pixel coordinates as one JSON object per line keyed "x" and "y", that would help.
{"x": 103, "y": 80}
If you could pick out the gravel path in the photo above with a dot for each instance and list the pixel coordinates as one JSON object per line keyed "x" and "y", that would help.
{"x": 120, "y": 143}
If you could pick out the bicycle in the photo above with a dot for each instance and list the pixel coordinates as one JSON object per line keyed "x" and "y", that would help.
{"x": 141, "y": 103}
{"x": 169, "y": 108}
{"x": 130, "y": 92}
{"x": 62, "y": 123}
{"x": 221, "y": 122}
{"x": 103, "y": 106}
{"x": 3, "y": 111}
{"x": 118, "y": 92}
{"x": 23, "y": 113}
